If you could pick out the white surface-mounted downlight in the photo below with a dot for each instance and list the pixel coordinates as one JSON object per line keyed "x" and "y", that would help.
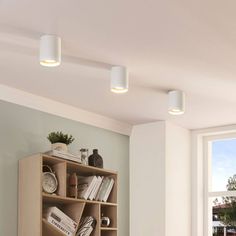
{"x": 119, "y": 79}
{"x": 50, "y": 50}
{"x": 176, "y": 102}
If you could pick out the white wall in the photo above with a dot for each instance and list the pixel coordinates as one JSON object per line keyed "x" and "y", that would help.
{"x": 147, "y": 182}
{"x": 160, "y": 188}
{"x": 178, "y": 181}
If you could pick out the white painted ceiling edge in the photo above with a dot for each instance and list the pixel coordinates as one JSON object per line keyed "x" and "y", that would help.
{"x": 53, "y": 107}
{"x": 50, "y": 106}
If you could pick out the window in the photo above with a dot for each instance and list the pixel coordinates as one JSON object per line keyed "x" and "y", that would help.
{"x": 219, "y": 185}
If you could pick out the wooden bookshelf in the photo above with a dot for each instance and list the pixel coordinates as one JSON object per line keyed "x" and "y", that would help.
{"x": 32, "y": 200}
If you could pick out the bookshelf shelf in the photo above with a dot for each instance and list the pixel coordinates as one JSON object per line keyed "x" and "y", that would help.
{"x": 107, "y": 228}
{"x": 58, "y": 199}
{"x": 33, "y": 202}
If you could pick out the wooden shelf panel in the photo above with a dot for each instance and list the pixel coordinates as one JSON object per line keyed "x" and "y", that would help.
{"x": 108, "y": 228}
{"x": 65, "y": 200}
{"x": 29, "y": 196}
{"x": 109, "y": 233}
{"x": 48, "y": 160}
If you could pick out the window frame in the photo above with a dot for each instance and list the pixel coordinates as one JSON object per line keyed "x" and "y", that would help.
{"x": 208, "y": 194}
{"x": 200, "y": 171}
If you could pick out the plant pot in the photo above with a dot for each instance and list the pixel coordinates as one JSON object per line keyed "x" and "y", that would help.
{"x": 60, "y": 147}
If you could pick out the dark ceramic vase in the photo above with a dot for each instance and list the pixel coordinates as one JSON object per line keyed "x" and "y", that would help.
{"x": 95, "y": 159}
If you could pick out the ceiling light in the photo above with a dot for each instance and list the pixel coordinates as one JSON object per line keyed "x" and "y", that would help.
{"x": 119, "y": 79}
{"x": 50, "y": 50}
{"x": 176, "y": 102}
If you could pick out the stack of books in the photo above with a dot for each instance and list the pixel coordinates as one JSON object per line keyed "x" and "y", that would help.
{"x": 91, "y": 187}
{"x": 64, "y": 155}
{"x": 61, "y": 221}
{"x": 86, "y": 226}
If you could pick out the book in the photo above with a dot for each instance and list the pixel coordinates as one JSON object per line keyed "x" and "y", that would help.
{"x": 61, "y": 218}
{"x": 64, "y": 155}
{"x": 96, "y": 187}
{"x": 104, "y": 188}
{"x": 108, "y": 190}
{"x": 100, "y": 189}
{"x": 85, "y": 186}
{"x": 61, "y": 227}
{"x": 93, "y": 189}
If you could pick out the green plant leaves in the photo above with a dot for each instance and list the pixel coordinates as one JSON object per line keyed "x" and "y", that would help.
{"x": 59, "y": 137}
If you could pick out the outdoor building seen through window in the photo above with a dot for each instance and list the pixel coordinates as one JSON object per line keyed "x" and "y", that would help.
{"x": 222, "y": 187}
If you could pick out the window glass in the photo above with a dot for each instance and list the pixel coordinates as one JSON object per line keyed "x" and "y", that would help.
{"x": 223, "y": 165}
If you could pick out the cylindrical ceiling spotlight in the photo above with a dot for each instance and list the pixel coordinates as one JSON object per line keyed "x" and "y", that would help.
{"x": 176, "y": 102}
{"x": 119, "y": 79}
{"x": 50, "y": 50}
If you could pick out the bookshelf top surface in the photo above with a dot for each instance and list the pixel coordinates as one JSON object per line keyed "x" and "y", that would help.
{"x": 74, "y": 166}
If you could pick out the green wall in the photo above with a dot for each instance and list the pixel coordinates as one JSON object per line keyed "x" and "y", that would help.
{"x": 23, "y": 131}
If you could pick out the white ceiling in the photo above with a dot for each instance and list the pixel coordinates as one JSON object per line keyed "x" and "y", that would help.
{"x": 185, "y": 44}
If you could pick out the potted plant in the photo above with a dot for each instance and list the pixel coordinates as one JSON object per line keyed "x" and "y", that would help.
{"x": 60, "y": 141}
